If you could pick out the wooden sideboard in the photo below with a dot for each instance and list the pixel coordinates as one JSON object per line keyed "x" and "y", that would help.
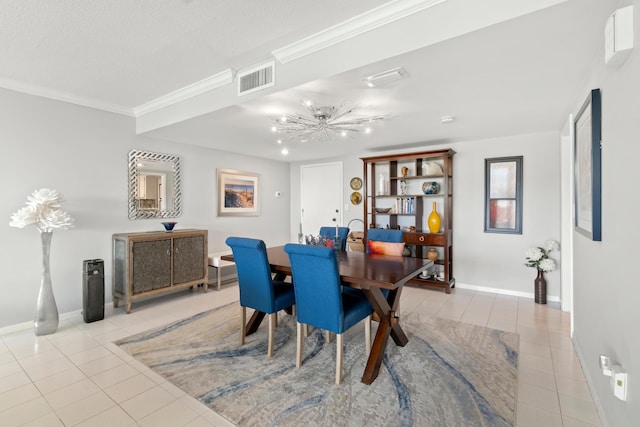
{"x": 153, "y": 263}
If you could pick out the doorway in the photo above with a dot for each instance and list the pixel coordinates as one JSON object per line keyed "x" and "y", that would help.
{"x": 320, "y": 196}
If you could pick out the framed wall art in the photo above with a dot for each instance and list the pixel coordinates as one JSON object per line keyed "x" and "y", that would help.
{"x": 238, "y": 193}
{"x": 588, "y": 168}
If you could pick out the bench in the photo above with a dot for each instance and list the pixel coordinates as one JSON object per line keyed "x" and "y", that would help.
{"x": 217, "y": 263}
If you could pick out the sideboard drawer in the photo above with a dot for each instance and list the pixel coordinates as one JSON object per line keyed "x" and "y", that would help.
{"x": 425, "y": 239}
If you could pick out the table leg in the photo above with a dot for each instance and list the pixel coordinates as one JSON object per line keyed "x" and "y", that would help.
{"x": 254, "y": 322}
{"x": 389, "y": 325}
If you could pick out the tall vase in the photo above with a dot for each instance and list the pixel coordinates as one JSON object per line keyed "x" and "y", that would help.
{"x": 46, "y": 319}
{"x": 434, "y": 220}
{"x": 540, "y": 288}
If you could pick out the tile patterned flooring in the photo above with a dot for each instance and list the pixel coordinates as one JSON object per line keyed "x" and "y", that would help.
{"x": 77, "y": 377}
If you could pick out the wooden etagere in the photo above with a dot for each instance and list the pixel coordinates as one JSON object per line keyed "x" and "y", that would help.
{"x": 396, "y": 182}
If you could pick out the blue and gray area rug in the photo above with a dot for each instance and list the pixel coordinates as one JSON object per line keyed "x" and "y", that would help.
{"x": 449, "y": 374}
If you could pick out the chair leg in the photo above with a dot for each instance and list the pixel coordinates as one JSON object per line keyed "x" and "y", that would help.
{"x": 299, "y": 344}
{"x": 339, "y": 354}
{"x": 276, "y": 317}
{"x": 306, "y": 330}
{"x": 243, "y": 323}
{"x": 327, "y": 336}
{"x": 367, "y": 334}
{"x": 272, "y": 331}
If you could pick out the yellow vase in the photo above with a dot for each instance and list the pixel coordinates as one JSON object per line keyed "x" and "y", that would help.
{"x": 434, "y": 220}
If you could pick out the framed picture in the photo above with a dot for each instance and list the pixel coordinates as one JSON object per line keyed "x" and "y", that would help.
{"x": 588, "y": 167}
{"x": 503, "y": 195}
{"x": 238, "y": 193}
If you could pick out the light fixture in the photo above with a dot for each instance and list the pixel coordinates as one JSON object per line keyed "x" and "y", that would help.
{"x": 384, "y": 77}
{"x": 324, "y": 123}
{"x": 447, "y": 119}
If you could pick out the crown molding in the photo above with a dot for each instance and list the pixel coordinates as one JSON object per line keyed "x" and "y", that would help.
{"x": 217, "y": 80}
{"x": 65, "y": 97}
{"x": 352, "y": 27}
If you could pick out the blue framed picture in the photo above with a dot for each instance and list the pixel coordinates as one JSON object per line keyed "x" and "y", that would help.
{"x": 588, "y": 167}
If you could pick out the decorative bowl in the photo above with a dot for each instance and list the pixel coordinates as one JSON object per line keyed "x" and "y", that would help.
{"x": 168, "y": 226}
{"x": 382, "y": 210}
{"x": 431, "y": 187}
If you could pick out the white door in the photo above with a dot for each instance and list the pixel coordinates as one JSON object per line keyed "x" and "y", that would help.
{"x": 321, "y": 196}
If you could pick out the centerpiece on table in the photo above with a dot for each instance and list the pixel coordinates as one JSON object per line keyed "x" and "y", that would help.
{"x": 43, "y": 210}
{"x": 538, "y": 258}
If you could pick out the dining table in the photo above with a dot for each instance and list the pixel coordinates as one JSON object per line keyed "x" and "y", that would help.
{"x": 371, "y": 273}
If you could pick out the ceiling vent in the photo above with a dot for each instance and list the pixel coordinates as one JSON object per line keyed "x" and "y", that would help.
{"x": 256, "y": 78}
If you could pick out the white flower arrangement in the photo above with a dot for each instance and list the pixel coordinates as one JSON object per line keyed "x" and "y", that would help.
{"x": 539, "y": 257}
{"x": 43, "y": 211}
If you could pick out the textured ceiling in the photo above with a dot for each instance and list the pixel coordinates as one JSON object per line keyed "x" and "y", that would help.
{"x": 499, "y": 73}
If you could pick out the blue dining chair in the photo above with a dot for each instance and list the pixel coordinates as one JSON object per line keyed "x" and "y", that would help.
{"x": 343, "y": 234}
{"x": 257, "y": 289}
{"x": 320, "y": 301}
{"x": 385, "y": 235}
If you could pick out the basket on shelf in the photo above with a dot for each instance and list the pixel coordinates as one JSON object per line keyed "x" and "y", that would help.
{"x": 355, "y": 240}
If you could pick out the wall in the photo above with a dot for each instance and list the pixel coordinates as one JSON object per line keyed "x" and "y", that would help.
{"x": 606, "y": 292}
{"x": 82, "y": 153}
{"x": 478, "y": 255}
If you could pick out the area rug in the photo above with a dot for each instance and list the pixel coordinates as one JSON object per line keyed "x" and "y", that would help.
{"x": 449, "y": 374}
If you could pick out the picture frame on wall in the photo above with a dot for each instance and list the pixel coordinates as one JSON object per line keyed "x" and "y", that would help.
{"x": 238, "y": 193}
{"x": 588, "y": 167}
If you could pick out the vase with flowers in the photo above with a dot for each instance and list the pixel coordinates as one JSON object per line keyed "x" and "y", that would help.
{"x": 43, "y": 210}
{"x": 538, "y": 258}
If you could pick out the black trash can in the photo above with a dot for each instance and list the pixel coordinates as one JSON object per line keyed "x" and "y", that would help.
{"x": 93, "y": 290}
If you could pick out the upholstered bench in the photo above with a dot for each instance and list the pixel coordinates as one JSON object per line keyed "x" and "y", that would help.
{"x": 217, "y": 263}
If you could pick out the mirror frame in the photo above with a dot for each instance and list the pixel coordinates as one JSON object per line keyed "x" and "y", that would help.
{"x": 136, "y": 156}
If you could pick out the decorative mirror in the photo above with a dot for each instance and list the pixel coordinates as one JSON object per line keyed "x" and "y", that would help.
{"x": 154, "y": 185}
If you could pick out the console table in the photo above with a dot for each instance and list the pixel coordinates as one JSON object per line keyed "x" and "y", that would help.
{"x": 153, "y": 263}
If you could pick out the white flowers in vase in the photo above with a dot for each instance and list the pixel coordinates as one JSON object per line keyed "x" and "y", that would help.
{"x": 43, "y": 210}
{"x": 538, "y": 257}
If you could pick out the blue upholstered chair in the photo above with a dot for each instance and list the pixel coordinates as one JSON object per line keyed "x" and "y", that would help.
{"x": 384, "y": 235}
{"x": 257, "y": 289}
{"x": 320, "y": 301}
{"x": 343, "y": 233}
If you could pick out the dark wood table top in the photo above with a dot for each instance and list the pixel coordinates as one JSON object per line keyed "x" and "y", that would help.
{"x": 359, "y": 269}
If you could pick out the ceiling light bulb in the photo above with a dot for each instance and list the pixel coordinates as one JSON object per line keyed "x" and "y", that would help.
{"x": 447, "y": 119}
{"x": 284, "y": 151}
{"x": 274, "y": 128}
{"x": 308, "y": 103}
{"x": 283, "y": 118}
{"x": 343, "y": 133}
{"x": 279, "y": 141}
{"x": 367, "y": 130}
{"x": 370, "y": 84}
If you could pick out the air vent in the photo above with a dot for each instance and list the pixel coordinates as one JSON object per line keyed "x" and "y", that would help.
{"x": 257, "y": 78}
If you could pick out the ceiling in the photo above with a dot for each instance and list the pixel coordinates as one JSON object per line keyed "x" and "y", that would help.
{"x": 502, "y": 70}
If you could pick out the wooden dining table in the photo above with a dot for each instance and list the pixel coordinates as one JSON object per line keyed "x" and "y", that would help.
{"x": 371, "y": 273}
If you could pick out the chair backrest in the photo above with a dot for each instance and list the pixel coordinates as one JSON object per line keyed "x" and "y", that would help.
{"x": 384, "y": 235}
{"x": 316, "y": 283}
{"x": 343, "y": 233}
{"x": 254, "y": 273}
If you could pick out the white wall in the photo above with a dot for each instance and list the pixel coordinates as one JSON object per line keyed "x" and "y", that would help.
{"x": 479, "y": 255}
{"x": 82, "y": 153}
{"x": 606, "y": 291}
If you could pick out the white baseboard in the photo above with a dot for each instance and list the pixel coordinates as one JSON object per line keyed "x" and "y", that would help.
{"x": 530, "y": 295}
{"x": 587, "y": 377}
{"x": 18, "y": 327}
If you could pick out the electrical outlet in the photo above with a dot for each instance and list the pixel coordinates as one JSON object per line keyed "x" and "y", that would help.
{"x": 605, "y": 365}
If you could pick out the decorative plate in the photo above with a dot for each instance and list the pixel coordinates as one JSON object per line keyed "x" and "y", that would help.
{"x": 356, "y": 197}
{"x": 356, "y": 184}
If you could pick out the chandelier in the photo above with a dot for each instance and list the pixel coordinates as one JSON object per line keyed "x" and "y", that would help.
{"x": 324, "y": 123}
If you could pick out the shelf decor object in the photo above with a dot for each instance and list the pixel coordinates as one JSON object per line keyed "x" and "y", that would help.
{"x": 434, "y": 219}
{"x": 43, "y": 211}
{"x": 410, "y": 183}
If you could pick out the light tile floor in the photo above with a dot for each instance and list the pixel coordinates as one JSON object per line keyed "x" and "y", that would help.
{"x": 77, "y": 376}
